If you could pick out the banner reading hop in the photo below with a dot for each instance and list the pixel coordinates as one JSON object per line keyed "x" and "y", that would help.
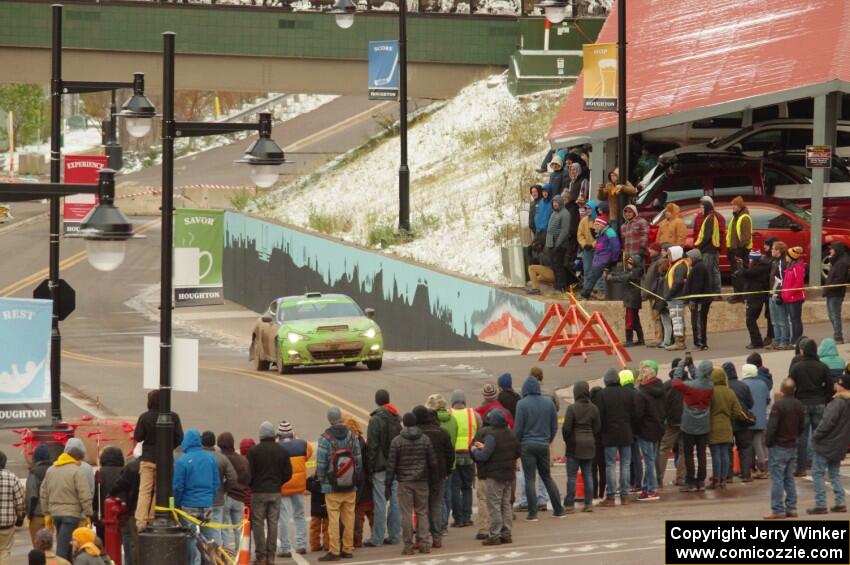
{"x": 744, "y": 542}
{"x": 24, "y": 362}
{"x": 600, "y": 77}
{"x": 198, "y": 255}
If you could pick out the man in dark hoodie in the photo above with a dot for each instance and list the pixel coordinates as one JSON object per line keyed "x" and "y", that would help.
{"x": 227, "y": 476}
{"x": 557, "y": 234}
{"x": 127, "y": 489}
{"x": 412, "y": 462}
{"x": 839, "y": 274}
{"x": 618, "y": 415}
{"x": 111, "y": 463}
{"x": 672, "y": 437}
{"x": 631, "y": 297}
{"x": 495, "y": 451}
{"x": 507, "y": 395}
{"x": 783, "y": 429}
{"x": 384, "y": 426}
{"x": 741, "y": 430}
{"x": 234, "y": 502}
{"x": 536, "y": 427}
{"x": 813, "y": 381}
{"x": 696, "y": 421}
{"x": 581, "y": 426}
{"x": 35, "y": 513}
{"x": 145, "y": 431}
{"x": 830, "y": 440}
{"x": 270, "y": 469}
{"x": 755, "y": 277}
{"x": 444, "y": 452}
{"x": 651, "y": 428}
{"x": 699, "y": 282}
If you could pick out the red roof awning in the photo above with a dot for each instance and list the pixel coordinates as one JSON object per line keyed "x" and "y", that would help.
{"x": 697, "y": 59}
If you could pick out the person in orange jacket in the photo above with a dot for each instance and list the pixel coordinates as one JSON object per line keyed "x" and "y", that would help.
{"x": 292, "y": 492}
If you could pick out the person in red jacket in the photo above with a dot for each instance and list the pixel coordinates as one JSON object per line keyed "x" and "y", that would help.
{"x": 792, "y": 295}
{"x": 491, "y": 402}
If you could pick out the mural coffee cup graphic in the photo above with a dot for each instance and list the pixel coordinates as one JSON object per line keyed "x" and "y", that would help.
{"x": 187, "y": 265}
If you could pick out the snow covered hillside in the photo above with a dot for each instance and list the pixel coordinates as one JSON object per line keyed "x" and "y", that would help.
{"x": 471, "y": 161}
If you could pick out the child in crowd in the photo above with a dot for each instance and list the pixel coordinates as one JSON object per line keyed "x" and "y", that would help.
{"x": 632, "y": 277}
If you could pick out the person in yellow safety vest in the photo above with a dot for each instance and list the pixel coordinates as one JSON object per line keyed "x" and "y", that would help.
{"x": 708, "y": 236}
{"x": 739, "y": 242}
{"x": 468, "y": 422}
{"x": 673, "y": 289}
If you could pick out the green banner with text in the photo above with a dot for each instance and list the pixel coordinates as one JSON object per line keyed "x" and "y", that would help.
{"x": 198, "y": 255}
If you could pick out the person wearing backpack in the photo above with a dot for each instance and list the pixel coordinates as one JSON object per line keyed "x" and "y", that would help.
{"x": 270, "y": 470}
{"x": 384, "y": 425}
{"x": 413, "y": 463}
{"x": 338, "y": 464}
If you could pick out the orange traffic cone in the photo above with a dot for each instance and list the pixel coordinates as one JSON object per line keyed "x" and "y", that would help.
{"x": 245, "y": 540}
{"x": 580, "y": 485}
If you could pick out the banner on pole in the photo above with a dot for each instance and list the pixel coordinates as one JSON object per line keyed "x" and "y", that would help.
{"x": 600, "y": 77}
{"x": 198, "y": 255}
{"x": 383, "y": 70}
{"x": 80, "y": 169}
{"x": 25, "y": 362}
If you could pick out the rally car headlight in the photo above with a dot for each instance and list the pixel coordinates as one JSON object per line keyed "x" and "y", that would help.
{"x": 370, "y": 333}
{"x": 294, "y": 337}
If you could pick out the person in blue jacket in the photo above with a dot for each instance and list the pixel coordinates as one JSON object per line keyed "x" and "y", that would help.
{"x": 195, "y": 483}
{"x": 541, "y": 215}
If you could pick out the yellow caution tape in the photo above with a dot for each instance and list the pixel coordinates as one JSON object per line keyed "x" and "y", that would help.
{"x": 189, "y": 518}
{"x": 743, "y": 293}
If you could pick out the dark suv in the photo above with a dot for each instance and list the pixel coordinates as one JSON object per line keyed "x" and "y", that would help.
{"x": 721, "y": 176}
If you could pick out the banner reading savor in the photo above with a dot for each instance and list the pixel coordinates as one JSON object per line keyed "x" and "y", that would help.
{"x": 198, "y": 254}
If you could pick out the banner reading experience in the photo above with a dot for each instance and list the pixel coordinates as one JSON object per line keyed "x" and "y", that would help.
{"x": 600, "y": 77}
{"x": 24, "y": 362}
{"x": 80, "y": 169}
{"x": 198, "y": 254}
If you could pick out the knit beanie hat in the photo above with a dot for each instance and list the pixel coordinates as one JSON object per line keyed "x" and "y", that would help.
{"x": 490, "y": 393}
{"x": 458, "y": 397}
{"x": 755, "y": 255}
{"x": 245, "y": 446}
{"x": 423, "y": 415}
{"x": 266, "y": 430}
{"x": 436, "y": 402}
{"x": 754, "y": 359}
{"x": 694, "y": 254}
{"x": 675, "y": 252}
{"x": 651, "y": 364}
{"x": 505, "y": 381}
{"x": 601, "y": 220}
{"x": 707, "y": 200}
{"x": 334, "y": 415}
{"x": 41, "y": 453}
{"x": 382, "y": 397}
{"x": 408, "y": 420}
{"x": 795, "y": 252}
{"x": 749, "y": 370}
{"x": 626, "y": 377}
{"x": 284, "y": 428}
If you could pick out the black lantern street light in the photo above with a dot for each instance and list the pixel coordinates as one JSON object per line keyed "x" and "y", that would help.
{"x": 164, "y": 543}
{"x": 58, "y": 88}
{"x": 344, "y": 11}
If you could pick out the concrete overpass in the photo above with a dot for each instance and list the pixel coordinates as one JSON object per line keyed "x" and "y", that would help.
{"x": 255, "y": 49}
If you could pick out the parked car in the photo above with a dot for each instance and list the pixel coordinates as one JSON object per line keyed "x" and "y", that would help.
{"x": 316, "y": 329}
{"x": 692, "y": 175}
{"x": 781, "y": 219}
{"x": 768, "y": 137}
{"x": 796, "y": 160}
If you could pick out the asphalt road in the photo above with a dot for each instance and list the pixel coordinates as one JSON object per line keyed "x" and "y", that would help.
{"x": 102, "y": 374}
{"x": 308, "y": 140}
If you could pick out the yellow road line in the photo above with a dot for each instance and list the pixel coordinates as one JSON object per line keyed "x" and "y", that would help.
{"x": 322, "y": 134}
{"x": 326, "y": 398}
{"x": 64, "y": 264}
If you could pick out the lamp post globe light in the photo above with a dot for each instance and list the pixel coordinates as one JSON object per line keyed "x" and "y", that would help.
{"x": 264, "y": 155}
{"x": 138, "y": 112}
{"x": 343, "y": 12}
{"x": 554, "y": 10}
{"x": 105, "y": 228}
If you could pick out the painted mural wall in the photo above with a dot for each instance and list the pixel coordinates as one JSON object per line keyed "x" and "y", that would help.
{"x": 417, "y": 308}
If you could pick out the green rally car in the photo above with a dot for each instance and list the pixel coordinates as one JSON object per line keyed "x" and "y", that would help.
{"x": 316, "y": 329}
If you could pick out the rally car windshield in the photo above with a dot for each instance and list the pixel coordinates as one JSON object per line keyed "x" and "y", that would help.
{"x": 315, "y": 309}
